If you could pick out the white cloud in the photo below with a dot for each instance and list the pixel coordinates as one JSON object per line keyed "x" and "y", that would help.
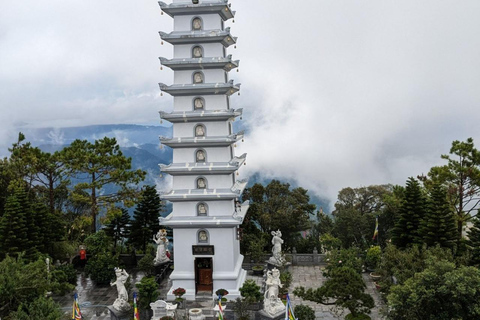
{"x": 336, "y": 93}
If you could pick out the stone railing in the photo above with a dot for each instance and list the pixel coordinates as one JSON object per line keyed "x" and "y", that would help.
{"x": 297, "y": 259}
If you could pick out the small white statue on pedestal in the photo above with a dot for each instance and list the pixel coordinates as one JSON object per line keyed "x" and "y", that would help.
{"x": 277, "y": 258}
{"x": 272, "y": 303}
{"x": 121, "y": 303}
{"x": 162, "y": 245}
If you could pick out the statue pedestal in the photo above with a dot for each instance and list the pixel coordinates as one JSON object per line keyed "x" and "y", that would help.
{"x": 282, "y": 267}
{"x": 119, "y": 315}
{"x": 262, "y": 315}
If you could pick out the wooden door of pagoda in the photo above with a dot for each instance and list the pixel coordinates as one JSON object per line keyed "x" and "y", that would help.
{"x": 204, "y": 274}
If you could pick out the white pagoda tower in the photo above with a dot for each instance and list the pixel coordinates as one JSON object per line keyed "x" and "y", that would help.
{"x": 206, "y": 210}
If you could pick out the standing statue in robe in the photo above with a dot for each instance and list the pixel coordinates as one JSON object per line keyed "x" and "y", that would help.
{"x": 121, "y": 303}
{"x": 277, "y": 258}
{"x": 272, "y": 303}
{"x": 162, "y": 246}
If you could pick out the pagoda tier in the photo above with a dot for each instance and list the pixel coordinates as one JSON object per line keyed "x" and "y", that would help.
{"x": 195, "y": 142}
{"x": 226, "y": 64}
{"x": 198, "y": 37}
{"x": 195, "y": 116}
{"x": 233, "y": 220}
{"x": 205, "y": 7}
{"x": 206, "y": 194}
{"x": 177, "y": 169}
{"x": 200, "y": 89}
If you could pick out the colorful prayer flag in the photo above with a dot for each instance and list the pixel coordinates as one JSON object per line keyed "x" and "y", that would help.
{"x": 289, "y": 311}
{"x": 136, "y": 315}
{"x": 76, "y": 314}
{"x": 220, "y": 310}
{"x": 375, "y": 233}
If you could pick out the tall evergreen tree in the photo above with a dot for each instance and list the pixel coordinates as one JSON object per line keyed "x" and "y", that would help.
{"x": 461, "y": 177}
{"x": 474, "y": 241}
{"x": 439, "y": 224}
{"x": 118, "y": 227}
{"x": 145, "y": 218}
{"x": 13, "y": 226}
{"x": 105, "y": 173}
{"x": 412, "y": 212}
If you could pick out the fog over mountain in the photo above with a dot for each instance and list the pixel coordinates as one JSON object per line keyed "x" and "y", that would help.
{"x": 335, "y": 93}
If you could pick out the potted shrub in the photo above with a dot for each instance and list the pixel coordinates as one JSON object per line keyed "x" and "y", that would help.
{"x": 256, "y": 255}
{"x": 221, "y": 293}
{"x": 148, "y": 293}
{"x": 304, "y": 312}
{"x": 372, "y": 260}
{"x": 178, "y": 293}
{"x": 286, "y": 280}
{"x": 251, "y": 292}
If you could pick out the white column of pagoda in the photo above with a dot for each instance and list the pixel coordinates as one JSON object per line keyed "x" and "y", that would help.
{"x": 206, "y": 212}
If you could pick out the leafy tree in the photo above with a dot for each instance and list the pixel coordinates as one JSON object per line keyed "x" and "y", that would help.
{"x": 344, "y": 288}
{"x": 325, "y": 223}
{"x": 344, "y": 258}
{"x": 355, "y": 212}
{"x": 98, "y": 243}
{"x": 474, "y": 241}
{"x": 42, "y": 170}
{"x": 41, "y": 308}
{"x": 398, "y": 265}
{"x": 21, "y": 282}
{"x": 439, "y": 225}
{"x": 412, "y": 212}
{"x": 390, "y": 214}
{"x": 277, "y": 207}
{"x": 118, "y": 228}
{"x": 461, "y": 177}
{"x": 100, "y": 165}
{"x": 145, "y": 218}
{"x": 440, "y": 292}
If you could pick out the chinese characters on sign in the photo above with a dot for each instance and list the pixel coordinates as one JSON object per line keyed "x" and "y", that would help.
{"x": 203, "y": 250}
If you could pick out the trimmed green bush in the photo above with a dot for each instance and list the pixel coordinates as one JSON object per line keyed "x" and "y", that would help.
{"x": 251, "y": 291}
{"x": 304, "y": 312}
{"x": 101, "y": 268}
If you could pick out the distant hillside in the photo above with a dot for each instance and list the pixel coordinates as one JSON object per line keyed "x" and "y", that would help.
{"x": 136, "y": 141}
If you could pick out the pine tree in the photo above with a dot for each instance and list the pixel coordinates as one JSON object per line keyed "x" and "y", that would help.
{"x": 474, "y": 241}
{"x": 13, "y": 227}
{"x": 118, "y": 227}
{"x": 145, "y": 218}
{"x": 412, "y": 212}
{"x": 439, "y": 226}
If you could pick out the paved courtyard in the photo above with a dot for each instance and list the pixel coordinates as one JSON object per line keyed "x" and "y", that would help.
{"x": 94, "y": 299}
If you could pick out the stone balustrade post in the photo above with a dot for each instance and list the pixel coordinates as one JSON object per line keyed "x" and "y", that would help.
{"x": 294, "y": 256}
{"x": 316, "y": 259}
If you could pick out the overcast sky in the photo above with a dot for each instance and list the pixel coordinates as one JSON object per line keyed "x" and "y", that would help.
{"x": 336, "y": 93}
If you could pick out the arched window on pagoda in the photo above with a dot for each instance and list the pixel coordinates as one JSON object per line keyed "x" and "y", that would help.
{"x": 202, "y": 209}
{"x": 197, "y": 52}
{"x": 198, "y": 77}
{"x": 197, "y": 24}
{"x": 198, "y": 104}
{"x": 200, "y": 130}
{"x": 200, "y": 156}
{"x": 201, "y": 183}
{"x": 202, "y": 236}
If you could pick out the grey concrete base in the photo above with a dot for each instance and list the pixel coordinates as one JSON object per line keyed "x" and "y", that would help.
{"x": 119, "y": 315}
{"x": 262, "y": 315}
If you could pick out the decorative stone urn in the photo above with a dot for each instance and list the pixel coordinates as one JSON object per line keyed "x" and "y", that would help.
{"x": 196, "y": 314}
